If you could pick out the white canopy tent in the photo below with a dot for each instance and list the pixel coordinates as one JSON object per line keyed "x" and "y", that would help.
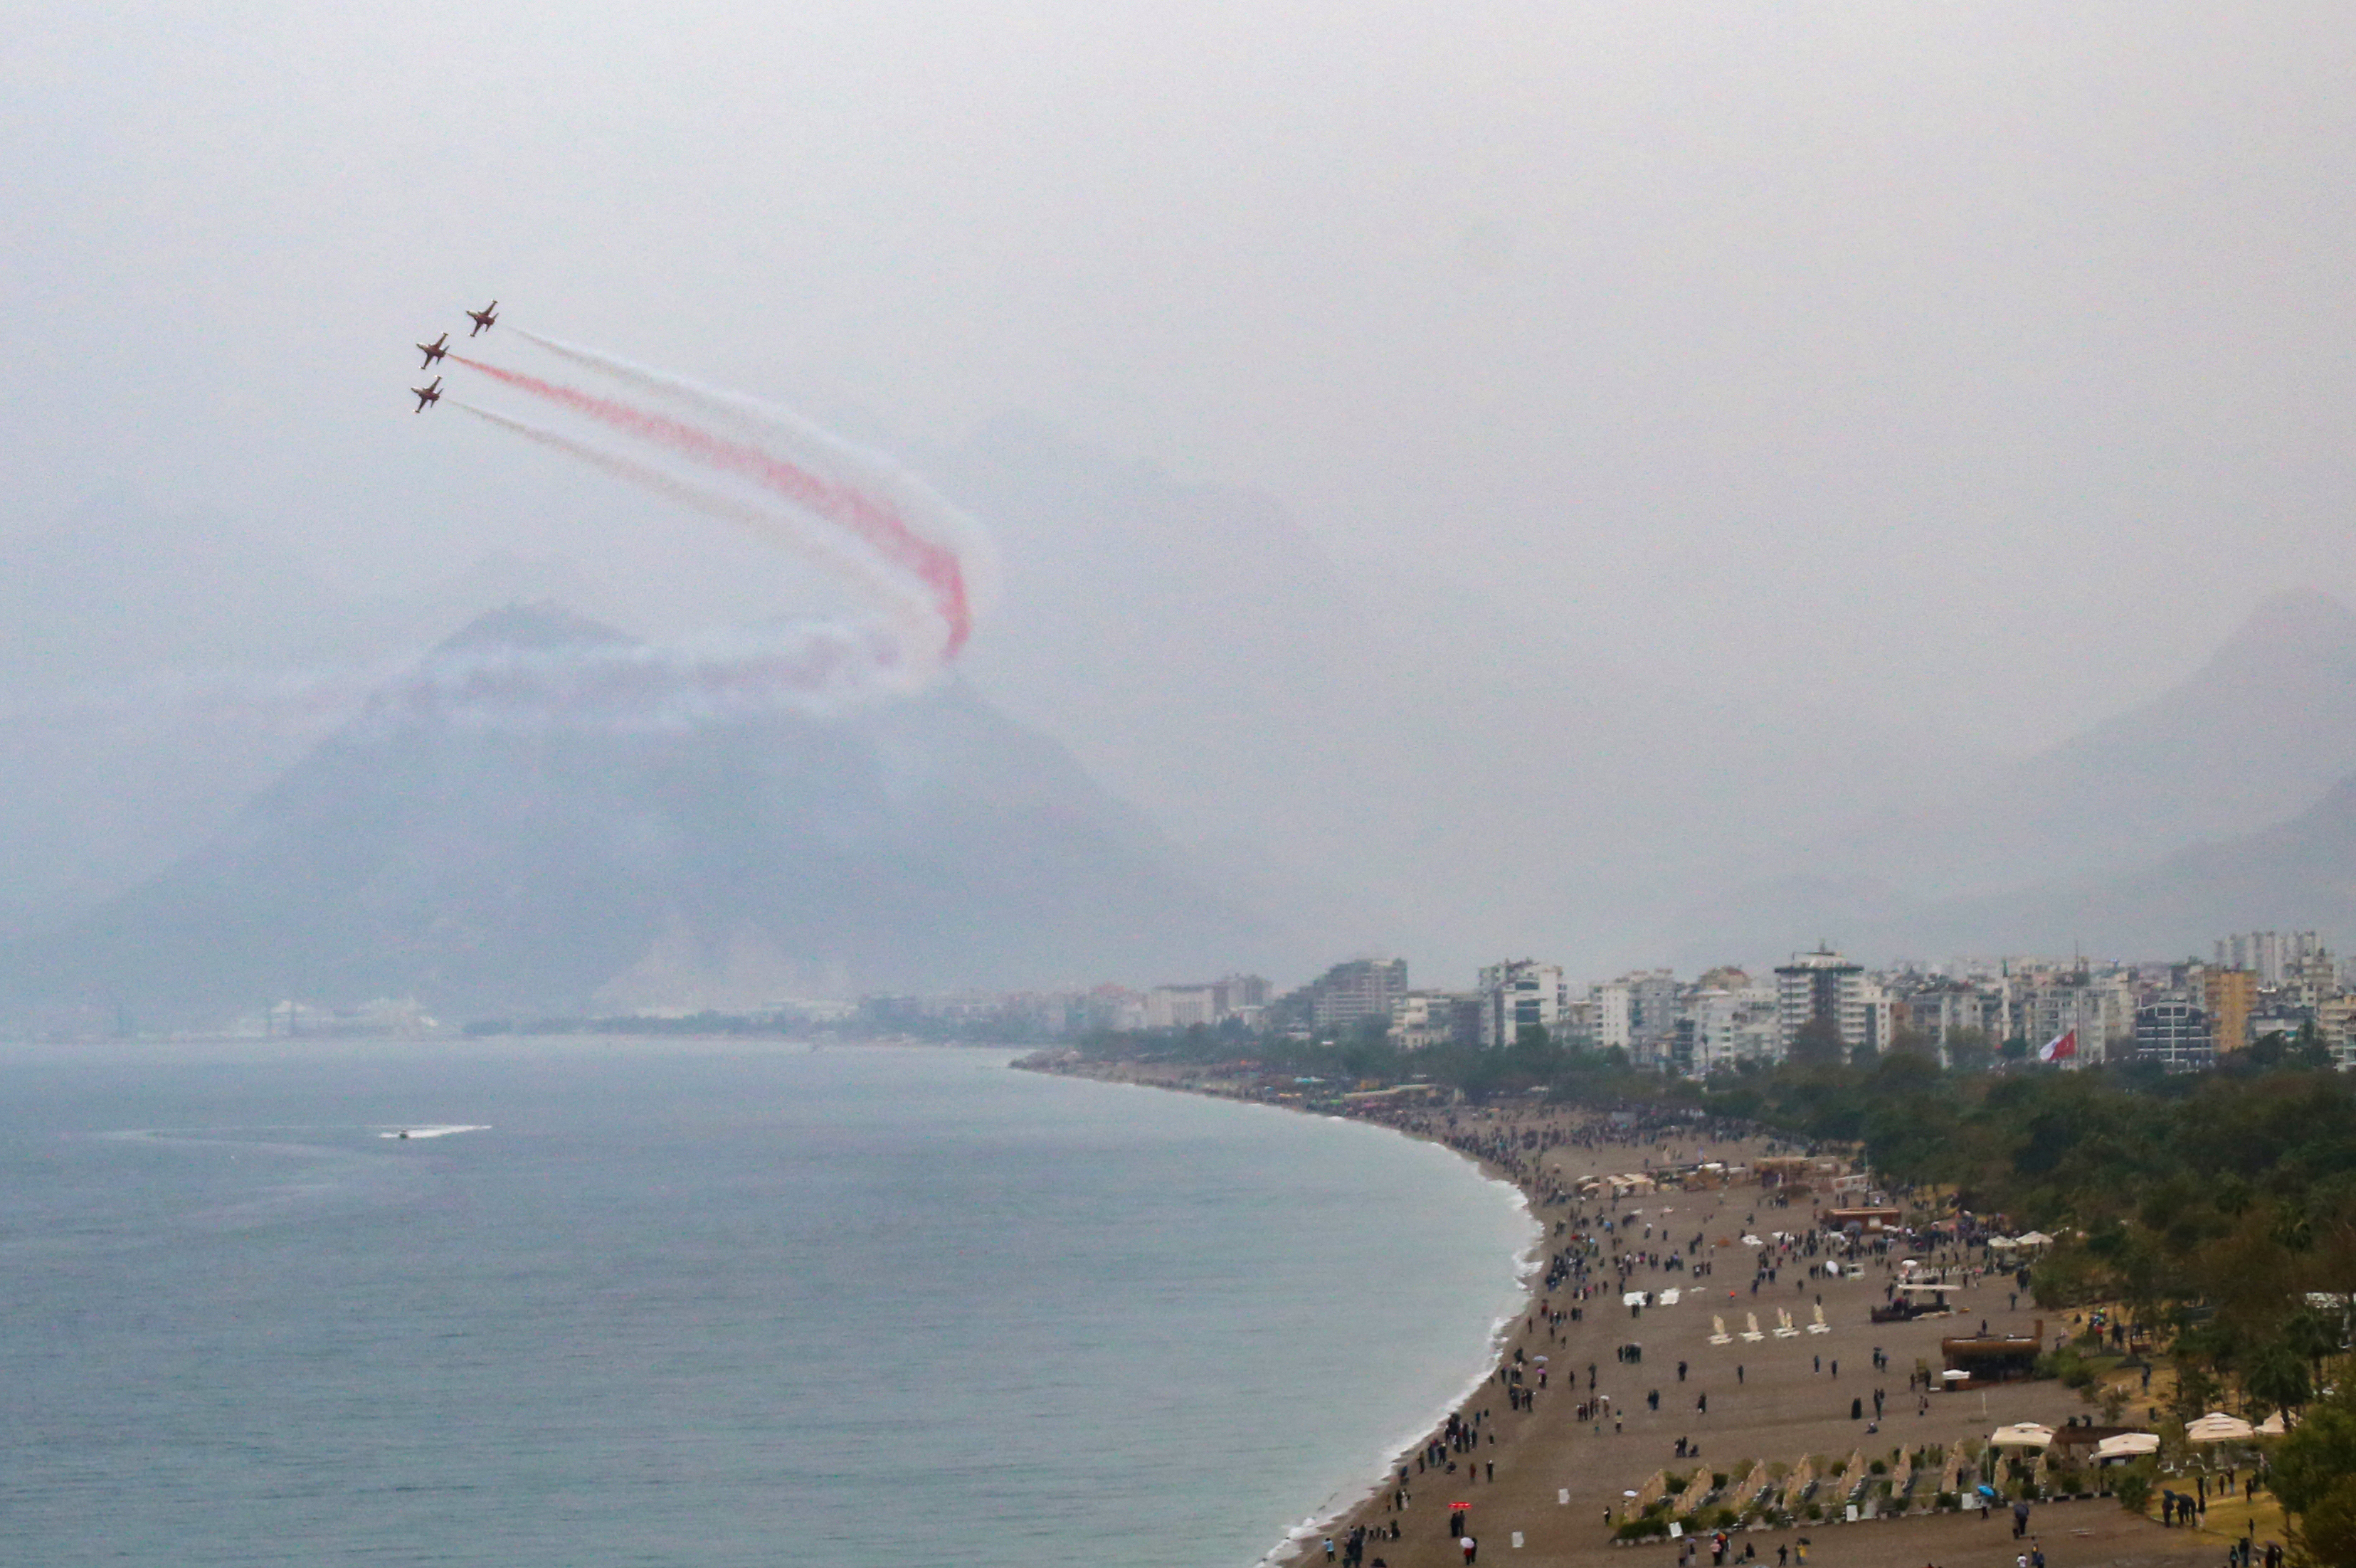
{"x": 2126, "y": 1446}
{"x": 2219, "y": 1427}
{"x": 2021, "y": 1435}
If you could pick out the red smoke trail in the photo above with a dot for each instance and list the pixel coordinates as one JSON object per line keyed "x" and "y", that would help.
{"x": 880, "y": 576}
{"x": 872, "y": 520}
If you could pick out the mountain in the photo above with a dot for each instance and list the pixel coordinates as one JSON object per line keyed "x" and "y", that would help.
{"x": 2257, "y": 734}
{"x": 162, "y": 669}
{"x": 2299, "y": 875}
{"x": 922, "y": 844}
{"x": 2042, "y": 854}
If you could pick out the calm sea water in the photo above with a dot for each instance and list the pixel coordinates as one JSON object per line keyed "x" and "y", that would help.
{"x": 704, "y": 1303}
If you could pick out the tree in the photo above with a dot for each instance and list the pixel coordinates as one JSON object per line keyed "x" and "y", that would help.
{"x": 2277, "y": 1376}
{"x": 1817, "y": 1043}
{"x": 1907, "y": 1040}
{"x": 1968, "y": 1050}
{"x": 2314, "y": 1473}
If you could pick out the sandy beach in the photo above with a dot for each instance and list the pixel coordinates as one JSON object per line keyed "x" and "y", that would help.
{"x": 1538, "y": 1469}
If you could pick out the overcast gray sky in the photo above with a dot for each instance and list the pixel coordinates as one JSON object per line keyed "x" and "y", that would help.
{"x": 1997, "y": 357}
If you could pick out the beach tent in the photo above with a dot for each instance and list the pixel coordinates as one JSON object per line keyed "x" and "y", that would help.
{"x": 2219, "y": 1427}
{"x": 2126, "y": 1445}
{"x": 2023, "y": 1435}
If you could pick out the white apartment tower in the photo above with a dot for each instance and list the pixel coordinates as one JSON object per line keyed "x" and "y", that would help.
{"x": 1517, "y": 993}
{"x": 1822, "y": 985}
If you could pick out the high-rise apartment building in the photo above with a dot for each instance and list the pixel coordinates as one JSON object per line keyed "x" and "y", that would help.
{"x": 2174, "y": 1032}
{"x": 2098, "y": 1008}
{"x": 1348, "y": 994}
{"x": 2267, "y": 953}
{"x": 1821, "y": 986}
{"x": 1517, "y": 994}
{"x": 2229, "y": 997}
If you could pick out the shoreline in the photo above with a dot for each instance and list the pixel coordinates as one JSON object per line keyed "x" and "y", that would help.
{"x": 1351, "y": 1497}
{"x": 1350, "y": 1500}
{"x": 1548, "y": 1475}
{"x": 1298, "y": 1541}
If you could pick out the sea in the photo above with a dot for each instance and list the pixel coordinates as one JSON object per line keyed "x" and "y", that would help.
{"x": 706, "y": 1303}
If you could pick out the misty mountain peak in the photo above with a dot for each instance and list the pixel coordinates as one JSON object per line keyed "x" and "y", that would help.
{"x": 536, "y": 627}
{"x": 2303, "y": 625}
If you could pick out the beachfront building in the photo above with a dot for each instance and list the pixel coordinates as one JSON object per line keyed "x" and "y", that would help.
{"x": 2335, "y": 1020}
{"x": 1348, "y": 994}
{"x": 2098, "y": 1005}
{"x": 2269, "y": 954}
{"x": 2174, "y": 1032}
{"x": 1611, "y": 1012}
{"x": 1941, "y": 1011}
{"x": 1179, "y": 1007}
{"x": 1821, "y": 987}
{"x": 1638, "y": 1013}
{"x": 1422, "y": 1020}
{"x": 1517, "y": 994}
{"x": 1239, "y": 997}
{"x": 2309, "y": 981}
{"x": 1654, "y": 1004}
{"x": 2229, "y": 997}
{"x": 1731, "y": 1025}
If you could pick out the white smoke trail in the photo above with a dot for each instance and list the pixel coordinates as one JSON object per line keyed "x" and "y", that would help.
{"x": 787, "y": 434}
{"x": 817, "y": 669}
{"x": 909, "y": 609}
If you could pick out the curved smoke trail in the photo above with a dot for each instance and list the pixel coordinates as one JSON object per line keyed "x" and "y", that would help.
{"x": 783, "y": 433}
{"x": 845, "y": 557}
{"x": 852, "y": 508}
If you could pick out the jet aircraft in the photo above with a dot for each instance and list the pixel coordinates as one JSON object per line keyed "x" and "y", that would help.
{"x": 427, "y": 394}
{"x": 434, "y": 350}
{"x": 483, "y": 317}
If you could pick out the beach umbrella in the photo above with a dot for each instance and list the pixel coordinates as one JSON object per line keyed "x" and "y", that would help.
{"x": 2219, "y": 1427}
{"x": 2127, "y": 1445}
{"x": 2021, "y": 1435}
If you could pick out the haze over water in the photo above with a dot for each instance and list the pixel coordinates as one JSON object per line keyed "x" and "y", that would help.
{"x": 704, "y": 1303}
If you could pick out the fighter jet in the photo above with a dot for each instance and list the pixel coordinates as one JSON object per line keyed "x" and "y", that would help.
{"x": 434, "y": 350}
{"x": 483, "y": 317}
{"x": 427, "y": 394}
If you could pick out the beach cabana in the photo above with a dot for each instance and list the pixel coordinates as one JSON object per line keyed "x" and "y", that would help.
{"x": 2219, "y": 1427}
{"x": 2021, "y": 1435}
